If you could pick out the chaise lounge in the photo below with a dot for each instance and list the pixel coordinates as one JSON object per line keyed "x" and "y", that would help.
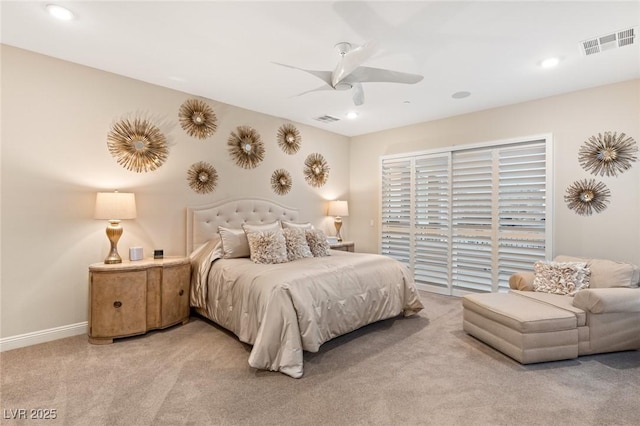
{"x": 566, "y": 308}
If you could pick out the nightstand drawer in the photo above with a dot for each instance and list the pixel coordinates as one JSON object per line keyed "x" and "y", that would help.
{"x": 118, "y": 304}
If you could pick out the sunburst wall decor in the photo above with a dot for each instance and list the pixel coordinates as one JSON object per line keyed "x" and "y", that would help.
{"x": 197, "y": 118}
{"x": 246, "y": 147}
{"x": 289, "y": 138}
{"x": 137, "y": 145}
{"x": 281, "y": 181}
{"x": 586, "y": 196}
{"x": 202, "y": 177}
{"x": 316, "y": 170}
{"x": 608, "y": 154}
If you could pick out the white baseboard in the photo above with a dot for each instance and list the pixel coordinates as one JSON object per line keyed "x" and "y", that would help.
{"x": 28, "y": 339}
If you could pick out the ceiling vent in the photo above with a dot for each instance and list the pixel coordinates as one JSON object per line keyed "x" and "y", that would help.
{"x": 327, "y": 119}
{"x": 608, "y": 41}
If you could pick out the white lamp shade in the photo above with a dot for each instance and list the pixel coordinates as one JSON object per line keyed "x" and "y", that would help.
{"x": 338, "y": 208}
{"x": 115, "y": 205}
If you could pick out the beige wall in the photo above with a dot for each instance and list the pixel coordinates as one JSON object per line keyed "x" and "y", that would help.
{"x": 55, "y": 119}
{"x": 571, "y": 119}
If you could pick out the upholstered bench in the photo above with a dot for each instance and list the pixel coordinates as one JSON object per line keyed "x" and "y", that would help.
{"x": 524, "y": 329}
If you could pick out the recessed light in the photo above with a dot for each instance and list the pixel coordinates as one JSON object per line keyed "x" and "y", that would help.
{"x": 60, "y": 12}
{"x": 352, "y": 114}
{"x": 461, "y": 95}
{"x": 549, "y": 62}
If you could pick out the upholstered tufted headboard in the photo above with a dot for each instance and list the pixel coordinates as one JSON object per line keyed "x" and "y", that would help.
{"x": 203, "y": 221}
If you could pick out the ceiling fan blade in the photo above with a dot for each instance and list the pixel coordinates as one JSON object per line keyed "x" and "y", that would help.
{"x": 317, "y": 89}
{"x": 378, "y": 75}
{"x": 322, "y": 75}
{"x": 358, "y": 94}
{"x": 352, "y": 60}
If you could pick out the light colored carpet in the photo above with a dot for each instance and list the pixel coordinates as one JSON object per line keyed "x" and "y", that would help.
{"x": 422, "y": 370}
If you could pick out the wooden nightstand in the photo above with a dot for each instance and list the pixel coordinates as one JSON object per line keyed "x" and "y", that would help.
{"x": 344, "y": 246}
{"x": 132, "y": 298}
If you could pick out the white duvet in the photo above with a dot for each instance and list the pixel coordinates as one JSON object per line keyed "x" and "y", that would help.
{"x": 285, "y": 309}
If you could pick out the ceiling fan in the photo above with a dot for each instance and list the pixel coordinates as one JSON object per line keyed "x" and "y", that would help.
{"x": 350, "y": 73}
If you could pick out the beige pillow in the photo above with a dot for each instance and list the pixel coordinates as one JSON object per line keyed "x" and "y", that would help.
{"x": 297, "y": 246}
{"x": 234, "y": 242}
{"x": 267, "y": 246}
{"x": 273, "y": 226}
{"x": 318, "y": 243}
{"x": 608, "y": 273}
{"x": 560, "y": 277}
{"x": 304, "y": 226}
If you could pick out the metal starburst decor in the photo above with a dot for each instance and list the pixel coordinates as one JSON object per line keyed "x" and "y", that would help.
{"x": 197, "y": 118}
{"x": 586, "y": 196}
{"x": 289, "y": 138}
{"x": 316, "y": 170}
{"x": 202, "y": 177}
{"x": 137, "y": 145}
{"x": 281, "y": 181}
{"x": 246, "y": 147}
{"x": 608, "y": 154}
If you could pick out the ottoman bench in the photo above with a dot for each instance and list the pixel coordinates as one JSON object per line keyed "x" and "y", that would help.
{"x": 522, "y": 328}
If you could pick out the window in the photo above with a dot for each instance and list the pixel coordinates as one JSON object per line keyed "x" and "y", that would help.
{"x": 463, "y": 220}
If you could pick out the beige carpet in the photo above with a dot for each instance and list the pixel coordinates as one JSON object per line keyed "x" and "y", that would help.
{"x": 409, "y": 371}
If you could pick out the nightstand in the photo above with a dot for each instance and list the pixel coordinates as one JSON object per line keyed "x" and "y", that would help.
{"x": 134, "y": 297}
{"x": 344, "y": 246}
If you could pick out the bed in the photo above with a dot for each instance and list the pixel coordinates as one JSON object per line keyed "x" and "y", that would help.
{"x": 284, "y": 309}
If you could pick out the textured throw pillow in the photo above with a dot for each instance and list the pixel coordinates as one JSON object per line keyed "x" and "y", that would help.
{"x": 303, "y": 226}
{"x": 234, "y": 243}
{"x": 267, "y": 246}
{"x": 561, "y": 277}
{"x": 318, "y": 243}
{"x": 297, "y": 246}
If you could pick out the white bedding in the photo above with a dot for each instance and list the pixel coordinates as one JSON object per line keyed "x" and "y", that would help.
{"x": 285, "y": 308}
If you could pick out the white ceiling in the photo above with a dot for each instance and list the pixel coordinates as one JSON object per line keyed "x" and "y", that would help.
{"x": 226, "y": 51}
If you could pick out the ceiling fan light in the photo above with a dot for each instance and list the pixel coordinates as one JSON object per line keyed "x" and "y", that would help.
{"x": 352, "y": 115}
{"x": 60, "y": 12}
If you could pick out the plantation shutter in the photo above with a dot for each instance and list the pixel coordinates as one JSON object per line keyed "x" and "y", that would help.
{"x": 396, "y": 209}
{"x": 472, "y": 204}
{"x": 465, "y": 220}
{"x": 432, "y": 220}
{"x": 522, "y": 208}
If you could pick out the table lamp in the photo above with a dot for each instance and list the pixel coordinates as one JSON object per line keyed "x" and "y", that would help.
{"x": 114, "y": 207}
{"x": 338, "y": 209}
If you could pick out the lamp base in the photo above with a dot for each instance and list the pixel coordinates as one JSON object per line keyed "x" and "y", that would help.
{"x": 114, "y": 231}
{"x": 338, "y": 224}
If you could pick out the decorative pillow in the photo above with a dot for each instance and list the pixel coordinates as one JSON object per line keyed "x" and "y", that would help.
{"x": 273, "y": 226}
{"x": 234, "y": 243}
{"x": 317, "y": 241}
{"x": 297, "y": 246}
{"x": 267, "y": 246}
{"x": 303, "y": 226}
{"x": 561, "y": 277}
{"x": 608, "y": 273}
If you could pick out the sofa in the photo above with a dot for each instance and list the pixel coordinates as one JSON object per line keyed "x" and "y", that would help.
{"x": 563, "y": 309}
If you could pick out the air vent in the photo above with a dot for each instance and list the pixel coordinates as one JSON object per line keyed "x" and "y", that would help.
{"x": 608, "y": 41}
{"x": 327, "y": 119}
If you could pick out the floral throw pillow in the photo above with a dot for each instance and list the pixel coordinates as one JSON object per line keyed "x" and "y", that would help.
{"x": 561, "y": 277}
{"x": 318, "y": 243}
{"x": 267, "y": 247}
{"x": 297, "y": 246}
